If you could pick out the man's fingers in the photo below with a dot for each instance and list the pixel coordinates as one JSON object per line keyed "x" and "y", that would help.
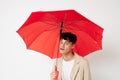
{"x": 53, "y": 75}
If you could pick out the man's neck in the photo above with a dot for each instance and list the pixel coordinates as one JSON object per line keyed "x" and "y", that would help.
{"x": 68, "y": 56}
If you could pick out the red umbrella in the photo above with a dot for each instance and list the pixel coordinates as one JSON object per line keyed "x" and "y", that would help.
{"x": 41, "y": 32}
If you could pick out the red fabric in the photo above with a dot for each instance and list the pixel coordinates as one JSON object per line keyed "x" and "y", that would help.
{"x": 41, "y": 32}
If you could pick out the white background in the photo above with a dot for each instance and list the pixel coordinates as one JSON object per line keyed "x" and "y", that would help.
{"x": 18, "y": 63}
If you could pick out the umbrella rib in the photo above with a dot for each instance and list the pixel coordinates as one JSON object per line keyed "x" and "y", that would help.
{"x": 42, "y": 32}
{"x": 54, "y": 18}
{"x": 73, "y": 22}
{"x": 48, "y": 22}
{"x": 51, "y": 29}
{"x": 77, "y": 29}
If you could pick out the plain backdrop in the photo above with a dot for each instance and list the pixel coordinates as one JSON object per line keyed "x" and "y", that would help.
{"x": 18, "y": 63}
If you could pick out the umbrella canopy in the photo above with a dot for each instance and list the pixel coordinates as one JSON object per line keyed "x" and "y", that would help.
{"x": 41, "y": 32}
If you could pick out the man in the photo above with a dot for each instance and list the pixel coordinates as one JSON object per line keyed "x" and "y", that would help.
{"x": 70, "y": 66}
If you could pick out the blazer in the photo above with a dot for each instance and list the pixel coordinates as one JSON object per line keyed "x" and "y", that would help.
{"x": 80, "y": 70}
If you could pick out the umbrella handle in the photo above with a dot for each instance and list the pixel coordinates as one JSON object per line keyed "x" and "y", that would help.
{"x": 57, "y": 73}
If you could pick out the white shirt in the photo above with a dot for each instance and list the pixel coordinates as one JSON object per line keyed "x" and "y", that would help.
{"x": 66, "y": 69}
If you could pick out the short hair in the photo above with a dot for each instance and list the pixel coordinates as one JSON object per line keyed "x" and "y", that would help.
{"x": 69, "y": 36}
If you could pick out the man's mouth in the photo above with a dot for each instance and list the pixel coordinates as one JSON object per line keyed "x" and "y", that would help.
{"x": 61, "y": 48}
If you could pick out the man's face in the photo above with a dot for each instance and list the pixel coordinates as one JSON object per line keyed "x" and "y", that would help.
{"x": 66, "y": 46}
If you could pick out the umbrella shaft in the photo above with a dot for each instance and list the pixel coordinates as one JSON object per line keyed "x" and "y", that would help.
{"x": 61, "y": 26}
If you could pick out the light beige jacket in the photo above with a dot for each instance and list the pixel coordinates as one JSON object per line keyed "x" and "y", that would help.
{"x": 80, "y": 70}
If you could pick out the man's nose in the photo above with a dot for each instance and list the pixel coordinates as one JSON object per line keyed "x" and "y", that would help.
{"x": 62, "y": 45}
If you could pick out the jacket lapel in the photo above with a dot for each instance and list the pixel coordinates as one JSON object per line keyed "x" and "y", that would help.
{"x": 75, "y": 67}
{"x": 59, "y": 67}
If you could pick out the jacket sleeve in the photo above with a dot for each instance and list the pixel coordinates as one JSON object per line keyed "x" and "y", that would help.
{"x": 87, "y": 74}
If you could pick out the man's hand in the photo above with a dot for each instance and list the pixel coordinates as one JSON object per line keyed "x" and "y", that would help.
{"x": 54, "y": 74}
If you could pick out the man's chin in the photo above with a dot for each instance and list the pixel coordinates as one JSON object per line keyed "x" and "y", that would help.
{"x": 61, "y": 52}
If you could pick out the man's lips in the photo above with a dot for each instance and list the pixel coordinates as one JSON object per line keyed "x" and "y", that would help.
{"x": 61, "y": 48}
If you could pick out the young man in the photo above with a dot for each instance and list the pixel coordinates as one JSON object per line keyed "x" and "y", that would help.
{"x": 70, "y": 66}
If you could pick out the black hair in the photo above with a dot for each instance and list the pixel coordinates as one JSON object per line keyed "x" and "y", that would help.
{"x": 69, "y": 36}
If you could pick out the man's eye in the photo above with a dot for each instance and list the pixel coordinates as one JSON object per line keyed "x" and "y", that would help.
{"x": 67, "y": 43}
